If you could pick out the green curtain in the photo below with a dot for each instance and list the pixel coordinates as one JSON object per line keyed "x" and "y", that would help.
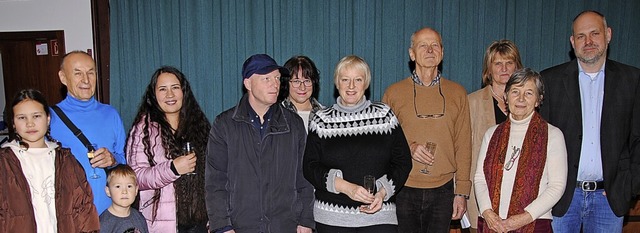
{"x": 210, "y": 39}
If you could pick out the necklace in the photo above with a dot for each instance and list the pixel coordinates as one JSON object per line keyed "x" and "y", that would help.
{"x": 514, "y": 155}
{"x": 501, "y": 104}
{"x": 499, "y": 98}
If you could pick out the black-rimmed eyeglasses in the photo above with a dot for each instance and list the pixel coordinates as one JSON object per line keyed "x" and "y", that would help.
{"x": 296, "y": 83}
{"x": 430, "y": 116}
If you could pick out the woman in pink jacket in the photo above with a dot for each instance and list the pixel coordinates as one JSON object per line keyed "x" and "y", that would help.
{"x": 171, "y": 181}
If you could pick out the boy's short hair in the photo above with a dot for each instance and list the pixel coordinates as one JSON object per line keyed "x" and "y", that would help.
{"x": 122, "y": 170}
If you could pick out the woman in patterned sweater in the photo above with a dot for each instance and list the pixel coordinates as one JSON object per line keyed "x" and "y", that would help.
{"x": 348, "y": 141}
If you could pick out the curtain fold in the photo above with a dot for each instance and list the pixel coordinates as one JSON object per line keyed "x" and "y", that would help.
{"x": 210, "y": 39}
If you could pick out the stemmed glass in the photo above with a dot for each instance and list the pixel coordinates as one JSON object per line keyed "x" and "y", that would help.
{"x": 187, "y": 148}
{"x": 91, "y": 153}
{"x": 431, "y": 148}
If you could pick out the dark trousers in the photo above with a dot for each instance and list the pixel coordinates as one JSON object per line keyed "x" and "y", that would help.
{"x": 200, "y": 228}
{"x": 425, "y": 210}
{"x": 383, "y": 228}
{"x": 541, "y": 225}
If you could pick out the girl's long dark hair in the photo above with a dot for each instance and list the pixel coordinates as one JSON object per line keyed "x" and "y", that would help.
{"x": 26, "y": 94}
{"x": 193, "y": 127}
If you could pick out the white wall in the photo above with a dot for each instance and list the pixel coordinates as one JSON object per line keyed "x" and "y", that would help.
{"x": 72, "y": 16}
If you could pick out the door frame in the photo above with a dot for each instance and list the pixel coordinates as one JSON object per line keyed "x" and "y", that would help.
{"x": 44, "y": 37}
{"x": 101, "y": 45}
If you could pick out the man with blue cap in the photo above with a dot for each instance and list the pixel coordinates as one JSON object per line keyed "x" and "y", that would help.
{"x": 253, "y": 178}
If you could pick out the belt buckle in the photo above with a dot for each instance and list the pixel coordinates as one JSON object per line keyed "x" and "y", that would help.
{"x": 589, "y": 186}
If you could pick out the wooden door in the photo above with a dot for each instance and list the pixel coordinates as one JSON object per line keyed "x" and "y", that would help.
{"x": 23, "y": 68}
{"x": 632, "y": 220}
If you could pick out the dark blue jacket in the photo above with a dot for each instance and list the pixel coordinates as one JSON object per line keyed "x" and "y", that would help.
{"x": 254, "y": 183}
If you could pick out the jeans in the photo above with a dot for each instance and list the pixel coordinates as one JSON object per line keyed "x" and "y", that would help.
{"x": 425, "y": 210}
{"x": 383, "y": 228}
{"x": 589, "y": 210}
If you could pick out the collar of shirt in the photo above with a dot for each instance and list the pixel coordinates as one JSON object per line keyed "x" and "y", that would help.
{"x": 255, "y": 119}
{"x": 417, "y": 80}
{"x": 600, "y": 71}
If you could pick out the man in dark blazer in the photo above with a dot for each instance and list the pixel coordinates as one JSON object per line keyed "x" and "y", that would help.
{"x": 596, "y": 104}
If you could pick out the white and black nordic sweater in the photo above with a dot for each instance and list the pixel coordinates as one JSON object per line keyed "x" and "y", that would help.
{"x": 351, "y": 142}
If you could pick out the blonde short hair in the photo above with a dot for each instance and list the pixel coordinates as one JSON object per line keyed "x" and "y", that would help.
{"x": 122, "y": 170}
{"x": 353, "y": 62}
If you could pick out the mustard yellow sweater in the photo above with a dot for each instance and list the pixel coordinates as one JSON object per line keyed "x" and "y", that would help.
{"x": 452, "y": 132}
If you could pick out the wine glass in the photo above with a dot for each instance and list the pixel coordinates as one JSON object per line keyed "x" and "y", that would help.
{"x": 187, "y": 148}
{"x": 431, "y": 148}
{"x": 91, "y": 153}
{"x": 369, "y": 183}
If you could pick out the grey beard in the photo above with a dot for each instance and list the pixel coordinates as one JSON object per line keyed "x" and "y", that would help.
{"x": 594, "y": 59}
{"x": 590, "y": 60}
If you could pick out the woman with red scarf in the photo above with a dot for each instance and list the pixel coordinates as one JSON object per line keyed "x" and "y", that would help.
{"x": 522, "y": 164}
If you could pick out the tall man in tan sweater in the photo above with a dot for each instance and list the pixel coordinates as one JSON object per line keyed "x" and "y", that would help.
{"x": 431, "y": 108}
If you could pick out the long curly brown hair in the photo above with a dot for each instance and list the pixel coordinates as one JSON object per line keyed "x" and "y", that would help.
{"x": 194, "y": 128}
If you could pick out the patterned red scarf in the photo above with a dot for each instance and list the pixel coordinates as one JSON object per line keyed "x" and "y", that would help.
{"x": 530, "y": 167}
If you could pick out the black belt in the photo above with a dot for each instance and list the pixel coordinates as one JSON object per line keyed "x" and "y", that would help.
{"x": 590, "y": 185}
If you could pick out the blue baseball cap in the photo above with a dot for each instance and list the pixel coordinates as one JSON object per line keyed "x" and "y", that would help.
{"x": 261, "y": 64}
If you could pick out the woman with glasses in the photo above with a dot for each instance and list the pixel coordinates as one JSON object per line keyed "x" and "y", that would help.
{"x": 487, "y": 105}
{"x": 299, "y": 92}
{"x": 522, "y": 166}
{"x": 353, "y": 139}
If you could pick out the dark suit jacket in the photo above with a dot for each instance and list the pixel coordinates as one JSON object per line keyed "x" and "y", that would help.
{"x": 619, "y": 129}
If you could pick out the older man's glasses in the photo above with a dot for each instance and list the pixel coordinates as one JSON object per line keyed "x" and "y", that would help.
{"x": 429, "y": 116}
{"x": 296, "y": 83}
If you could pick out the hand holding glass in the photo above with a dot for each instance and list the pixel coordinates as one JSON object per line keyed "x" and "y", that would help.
{"x": 431, "y": 148}
{"x": 369, "y": 183}
{"x": 92, "y": 154}
{"x": 187, "y": 148}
